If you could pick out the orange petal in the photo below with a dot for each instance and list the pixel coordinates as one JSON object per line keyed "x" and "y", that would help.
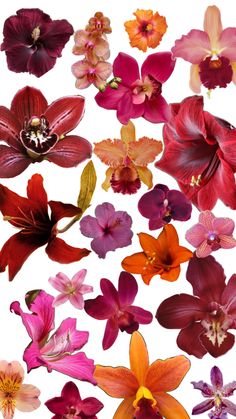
{"x": 125, "y": 410}
{"x": 139, "y": 361}
{"x": 134, "y": 263}
{"x": 166, "y": 375}
{"x": 169, "y": 407}
{"x": 233, "y": 65}
{"x": 148, "y": 243}
{"x": 128, "y": 133}
{"x": 110, "y": 152}
{"x": 213, "y": 25}
{"x": 171, "y": 275}
{"x": 195, "y": 81}
{"x": 143, "y": 15}
{"x": 145, "y": 175}
{"x": 116, "y": 382}
{"x": 144, "y": 151}
{"x": 106, "y": 184}
{"x": 180, "y": 255}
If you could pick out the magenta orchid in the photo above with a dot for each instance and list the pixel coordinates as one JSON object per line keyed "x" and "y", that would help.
{"x": 70, "y": 290}
{"x": 133, "y": 96}
{"x": 57, "y": 351}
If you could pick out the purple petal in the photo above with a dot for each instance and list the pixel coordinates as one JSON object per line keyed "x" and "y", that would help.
{"x": 141, "y": 316}
{"x": 230, "y": 407}
{"x": 91, "y": 406}
{"x": 188, "y": 340}
{"x": 121, "y": 64}
{"x": 151, "y": 204}
{"x": 181, "y": 207}
{"x": 196, "y": 235}
{"x": 90, "y": 228}
{"x": 156, "y": 110}
{"x": 104, "y": 213}
{"x": 223, "y": 226}
{"x": 206, "y": 389}
{"x": 70, "y": 151}
{"x": 127, "y": 289}
{"x": 216, "y": 378}
{"x": 228, "y": 389}
{"x": 154, "y": 224}
{"x": 104, "y": 244}
{"x": 12, "y": 163}
{"x": 109, "y": 291}
{"x": 99, "y": 308}
{"x": 159, "y": 65}
{"x": 203, "y": 407}
{"x": 111, "y": 333}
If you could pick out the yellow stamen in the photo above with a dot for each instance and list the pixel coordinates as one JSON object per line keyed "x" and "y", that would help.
{"x": 195, "y": 181}
{"x": 36, "y": 33}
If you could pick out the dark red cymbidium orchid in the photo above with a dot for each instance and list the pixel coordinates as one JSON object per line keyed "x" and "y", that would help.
{"x": 33, "y": 41}
{"x": 37, "y": 227}
{"x": 116, "y": 307}
{"x": 35, "y": 131}
{"x": 205, "y": 317}
{"x": 200, "y": 153}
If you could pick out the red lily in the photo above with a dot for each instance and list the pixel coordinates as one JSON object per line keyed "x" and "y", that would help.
{"x": 37, "y": 227}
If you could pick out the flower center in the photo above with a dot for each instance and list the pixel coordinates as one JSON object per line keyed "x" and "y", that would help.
{"x": 145, "y": 405}
{"x": 215, "y": 71}
{"x": 146, "y": 88}
{"x": 125, "y": 179}
{"x": 214, "y": 241}
{"x": 216, "y": 325}
{"x": 146, "y": 28}
{"x": 126, "y": 322}
{"x": 30, "y": 223}
{"x": 35, "y": 33}
{"x": 35, "y": 137}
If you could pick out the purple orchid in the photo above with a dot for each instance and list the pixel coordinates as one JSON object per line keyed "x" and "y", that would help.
{"x": 110, "y": 229}
{"x": 211, "y": 233}
{"x": 218, "y": 393}
{"x": 161, "y": 205}
{"x": 116, "y": 307}
{"x": 133, "y": 95}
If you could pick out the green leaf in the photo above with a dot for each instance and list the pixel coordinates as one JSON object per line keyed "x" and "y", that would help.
{"x": 88, "y": 182}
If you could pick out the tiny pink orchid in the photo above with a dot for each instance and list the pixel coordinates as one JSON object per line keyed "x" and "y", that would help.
{"x": 93, "y": 46}
{"x": 87, "y": 73}
{"x": 211, "y": 233}
{"x": 70, "y": 290}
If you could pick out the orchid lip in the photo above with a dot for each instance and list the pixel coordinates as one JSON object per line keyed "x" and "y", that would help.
{"x": 36, "y": 136}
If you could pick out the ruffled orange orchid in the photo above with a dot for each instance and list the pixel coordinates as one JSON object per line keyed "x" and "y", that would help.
{"x": 144, "y": 387}
{"x": 128, "y": 160}
{"x": 161, "y": 256}
{"x": 146, "y": 30}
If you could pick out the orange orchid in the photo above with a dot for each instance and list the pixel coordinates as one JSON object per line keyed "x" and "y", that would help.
{"x": 161, "y": 256}
{"x": 146, "y": 30}
{"x": 128, "y": 160}
{"x": 144, "y": 387}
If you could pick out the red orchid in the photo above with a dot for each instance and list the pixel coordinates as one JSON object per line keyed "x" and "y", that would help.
{"x": 35, "y": 131}
{"x": 37, "y": 227}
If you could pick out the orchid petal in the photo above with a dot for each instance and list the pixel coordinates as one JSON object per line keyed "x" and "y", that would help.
{"x": 70, "y": 151}
{"x": 196, "y": 235}
{"x": 139, "y": 360}
{"x": 120, "y": 65}
{"x": 230, "y": 407}
{"x": 125, "y": 409}
{"x": 216, "y": 378}
{"x": 227, "y": 242}
{"x": 169, "y": 407}
{"x": 116, "y": 382}
{"x": 99, "y": 308}
{"x": 10, "y": 128}
{"x": 128, "y": 133}
{"x": 227, "y": 43}
{"x": 213, "y": 25}
{"x": 111, "y": 152}
{"x": 144, "y": 151}
{"x": 193, "y": 47}
{"x": 110, "y": 334}
{"x": 207, "y": 219}
{"x": 127, "y": 289}
{"x": 195, "y": 81}
{"x": 156, "y": 110}
{"x": 159, "y": 65}
{"x": 27, "y": 103}
{"x": 12, "y": 162}
{"x": 145, "y": 176}
{"x": 223, "y": 226}
{"x": 189, "y": 340}
{"x": 206, "y": 389}
{"x": 203, "y": 407}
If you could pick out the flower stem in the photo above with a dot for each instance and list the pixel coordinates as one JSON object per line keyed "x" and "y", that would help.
{"x": 69, "y": 225}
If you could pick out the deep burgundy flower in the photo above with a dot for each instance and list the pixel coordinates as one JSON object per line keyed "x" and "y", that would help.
{"x": 162, "y": 205}
{"x": 33, "y": 41}
{"x": 200, "y": 153}
{"x": 116, "y": 307}
{"x": 35, "y": 131}
{"x": 37, "y": 227}
{"x": 206, "y": 317}
{"x": 70, "y": 404}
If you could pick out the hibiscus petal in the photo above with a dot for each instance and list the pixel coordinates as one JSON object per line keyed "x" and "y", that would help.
{"x": 40, "y": 62}
{"x": 120, "y": 65}
{"x": 127, "y": 289}
{"x": 61, "y": 252}
{"x": 28, "y": 102}
{"x": 203, "y": 407}
{"x": 111, "y": 333}
{"x": 189, "y": 340}
{"x": 159, "y": 65}
{"x": 111, "y": 152}
{"x": 104, "y": 213}
{"x": 60, "y": 210}
{"x": 18, "y": 57}
{"x": 212, "y": 25}
{"x": 227, "y": 43}
{"x": 144, "y": 151}
{"x": 12, "y": 162}
{"x": 10, "y": 128}
{"x": 169, "y": 407}
{"x": 116, "y": 382}
{"x": 139, "y": 360}
{"x": 70, "y": 151}
{"x": 125, "y": 409}
{"x": 193, "y": 47}
{"x": 104, "y": 244}
{"x": 90, "y": 227}
{"x": 27, "y": 398}
{"x": 156, "y": 110}
{"x": 56, "y": 36}
{"x": 216, "y": 378}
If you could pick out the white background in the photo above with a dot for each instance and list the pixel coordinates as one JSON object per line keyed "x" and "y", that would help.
{"x": 63, "y": 184}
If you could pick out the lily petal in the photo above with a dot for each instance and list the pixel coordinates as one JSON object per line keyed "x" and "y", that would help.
{"x": 169, "y": 407}
{"x": 61, "y": 252}
{"x": 193, "y": 47}
{"x": 139, "y": 360}
{"x": 70, "y": 151}
{"x": 64, "y": 114}
{"x": 116, "y": 382}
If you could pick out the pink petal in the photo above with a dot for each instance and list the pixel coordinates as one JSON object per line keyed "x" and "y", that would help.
{"x": 110, "y": 98}
{"x": 59, "y": 282}
{"x": 27, "y": 398}
{"x": 195, "y": 81}
{"x": 81, "y": 68}
{"x": 127, "y": 289}
{"x": 90, "y": 227}
{"x": 193, "y": 47}
{"x": 60, "y": 299}
{"x": 213, "y": 25}
{"x": 196, "y": 235}
{"x": 227, "y": 242}
{"x": 156, "y": 110}
{"x": 83, "y": 82}
{"x": 223, "y": 226}
{"x": 111, "y": 333}
{"x": 85, "y": 289}
{"x": 206, "y": 218}
{"x": 77, "y": 300}
{"x": 103, "y": 70}
{"x": 125, "y": 108}
{"x": 203, "y": 250}
{"x": 70, "y": 151}
{"x": 78, "y": 278}
{"x": 121, "y": 64}
{"x": 227, "y": 43}
{"x": 104, "y": 212}
{"x": 12, "y": 162}
{"x": 77, "y": 366}
{"x": 159, "y": 65}
{"x": 203, "y": 407}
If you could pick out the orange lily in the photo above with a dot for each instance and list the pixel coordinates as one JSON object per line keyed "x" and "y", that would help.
{"x": 144, "y": 387}
{"x": 161, "y": 256}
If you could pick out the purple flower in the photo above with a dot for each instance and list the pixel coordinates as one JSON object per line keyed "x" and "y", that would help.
{"x": 110, "y": 229}
{"x": 116, "y": 307}
{"x": 211, "y": 234}
{"x": 33, "y": 41}
{"x": 217, "y": 392}
{"x": 161, "y": 205}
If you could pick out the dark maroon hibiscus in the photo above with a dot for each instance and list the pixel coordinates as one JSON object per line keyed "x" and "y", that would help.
{"x": 35, "y": 131}
{"x": 206, "y": 317}
{"x": 33, "y": 41}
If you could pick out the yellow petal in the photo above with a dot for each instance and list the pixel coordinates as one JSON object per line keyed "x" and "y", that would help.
{"x": 144, "y": 151}
{"x": 139, "y": 360}
{"x": 106, "y": 184}
{"x": 213, "y": 25}
{"x": 116, "y": 382}
{"x": 145, "y": 175}
{"x": 128, "y": 133}
{"x": 110, "y": 152}
{"x": 125, "y": 410}
{"x": 195, "y": 81}
{"x": 169, "y": 407}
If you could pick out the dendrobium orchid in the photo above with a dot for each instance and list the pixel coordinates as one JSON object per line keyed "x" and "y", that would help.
{"x": 211, "y": 52}
{"x": 145, "y": 387}
{"x": 127, "y": 160}
{"x": 205, "y": 317}
{"x": 56, "y": 352}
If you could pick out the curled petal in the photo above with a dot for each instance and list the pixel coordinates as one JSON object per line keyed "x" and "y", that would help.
{"x": 111, "y": 152}
{"x": 62, "y": 252}
{"x": 193, "y": 47}
{"x": 144, "y": 151}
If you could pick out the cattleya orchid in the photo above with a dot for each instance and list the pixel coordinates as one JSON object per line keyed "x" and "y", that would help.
{"x": 13, "y": 393}
{"x": 144, "y": 387}
{"x": 116, "y": 307}
{"x": 56, "y": 352}
{"x": 205, "y": 317}
{"x": 161, "y": 256}
{"x": 127, "y": 160}
{"x": 211, "y": 52}
{"x": 35, "y": 131}
{"x": 200, "y": 154}
{"x": 135, "y": 95}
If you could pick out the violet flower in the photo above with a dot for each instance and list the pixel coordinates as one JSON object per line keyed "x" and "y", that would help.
{"x": 161, "y": 205}
{"x": 110, "y": 229}
{"x": 217, "y": 394}
{"x": 116, "y": 307}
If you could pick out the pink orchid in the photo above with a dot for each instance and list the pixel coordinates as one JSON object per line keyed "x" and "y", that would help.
{"x": 57, "y": 351}
{"x": 212, "y": 52}
{"x": 211, "y": 233}
{"x": 70, "y": 290}
{"x": 93, "y": 46}
{"x": 88, "y": 73}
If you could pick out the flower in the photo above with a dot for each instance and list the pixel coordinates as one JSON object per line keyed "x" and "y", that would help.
{"x": 93, "y": 46}
{"x": 137, "y": 95}
{"x": 33, "y": 41}
{"x": 211, "y": 234}
{"x": 99, "y": 24}
{"x": 110, "y": 229}
{"x": 161, "y": 256}
{"x": 70, "y": 404}
{"x": 147, "y": 30}
{"x": 218, "y": 393}
{"x": 211, "y": 52}
{"x": 57, "y": 351}
{"x": 205, "y": 317}
{"x": 116, "y": 307}
{"x": 35, "y": 131}
{"x": 127, "y": 160}
{"x": 14, "y": 394}
{"x": 144, "y": 387}
{"x": 200, "y": 154}
{"x": 70, "y": 290}
{"x": 161, "y": 205}
{"x": 37, "y": 228}
{"x": 87, "y": 73}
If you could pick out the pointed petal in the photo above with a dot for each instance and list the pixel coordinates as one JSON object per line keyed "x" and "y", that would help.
{"x": 111, "y": 333}
{"x": 71, "y": 392}
{"x": 227, "y": 43}
{"x": 12, "y": 162}
{"x": 156, "y": 110}
{"x": 193, "y": 47}
{"x": 37, "y": 193}
{"x": 169, "y": 407}
{"x": 77, "y": 366}
{"x": 144, "y": 151}
{"x": 61, "y": 252}
{"x": 70, "y": 151}
{"x": 116, "y": 382}
{"x": 127, "y": 289}
{"x": 27, "y": 398}
{"x": 109, "y": 292}
{"x": 195, "y": 81}
{"x": 145, "y": 176}
{"x": 60, "y": 210}
{"x": 230, "y": 407}
{"x": 77, "y": 301}
{"x": 206, "y": 389}
{"x": 203, "y": 250}
{"x": 91, "y": 406}
{"x": 203, "y": 407}
{"x": 128, "y": 133}
{"x": 216, "y": 378}
{"x": 28, "y": 102}
{"x": 110, "y": 152}
{"x": 78, "y": 279}
{"x": 139, "y": 360}
{"x": 229, "y": 296}
{"x": 189, "y": 340}
{"x": 60, "y": 299}
{"x": 213, "y": 25}
{"x": 106, "y": 184}
{"x": 141, "y": 316}
{"x": 120, "y": 65}
{"x": 159, "y": 65}
{"x": 125, "y": 409}
{"x": 10, "y": 128}
{"x": 59, "y": 282}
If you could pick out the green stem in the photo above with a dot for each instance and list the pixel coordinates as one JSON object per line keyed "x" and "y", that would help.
{"x": 69, "y": 225}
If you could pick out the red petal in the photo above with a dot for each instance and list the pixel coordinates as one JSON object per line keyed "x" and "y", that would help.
{"x": 9, "y": 128}
{"x": 216, "y": 350}
{"x": 37, "y": 193}
{"x": 121, "y": 64}
{"x": 61, "y": 252}
{"x": 11, "y": 203}
{"x": 40, "y": 62}
{"x": 99, "y": 308}
{"x": 159, "y": 65}
{"x": 70, "y": 151}
{"x": 56, "y": 36}
{"x": 61, "y": 210}
{"x": 156, "y": 110}
{"x": 12, "y": 163}
{"x": 189, "y": 340}
{"x": 28, "y": 102}
{"x": 229, "y": 296}
{"x": 18, "y": 57}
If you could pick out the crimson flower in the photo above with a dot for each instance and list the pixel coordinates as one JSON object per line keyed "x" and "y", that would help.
{"x": 37, "y": 227}
{"x": 205, "y": 317}
{"x": 200, "y": 153}
{"x": 35, "y": 131}
{"x": 33, "y": 41}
